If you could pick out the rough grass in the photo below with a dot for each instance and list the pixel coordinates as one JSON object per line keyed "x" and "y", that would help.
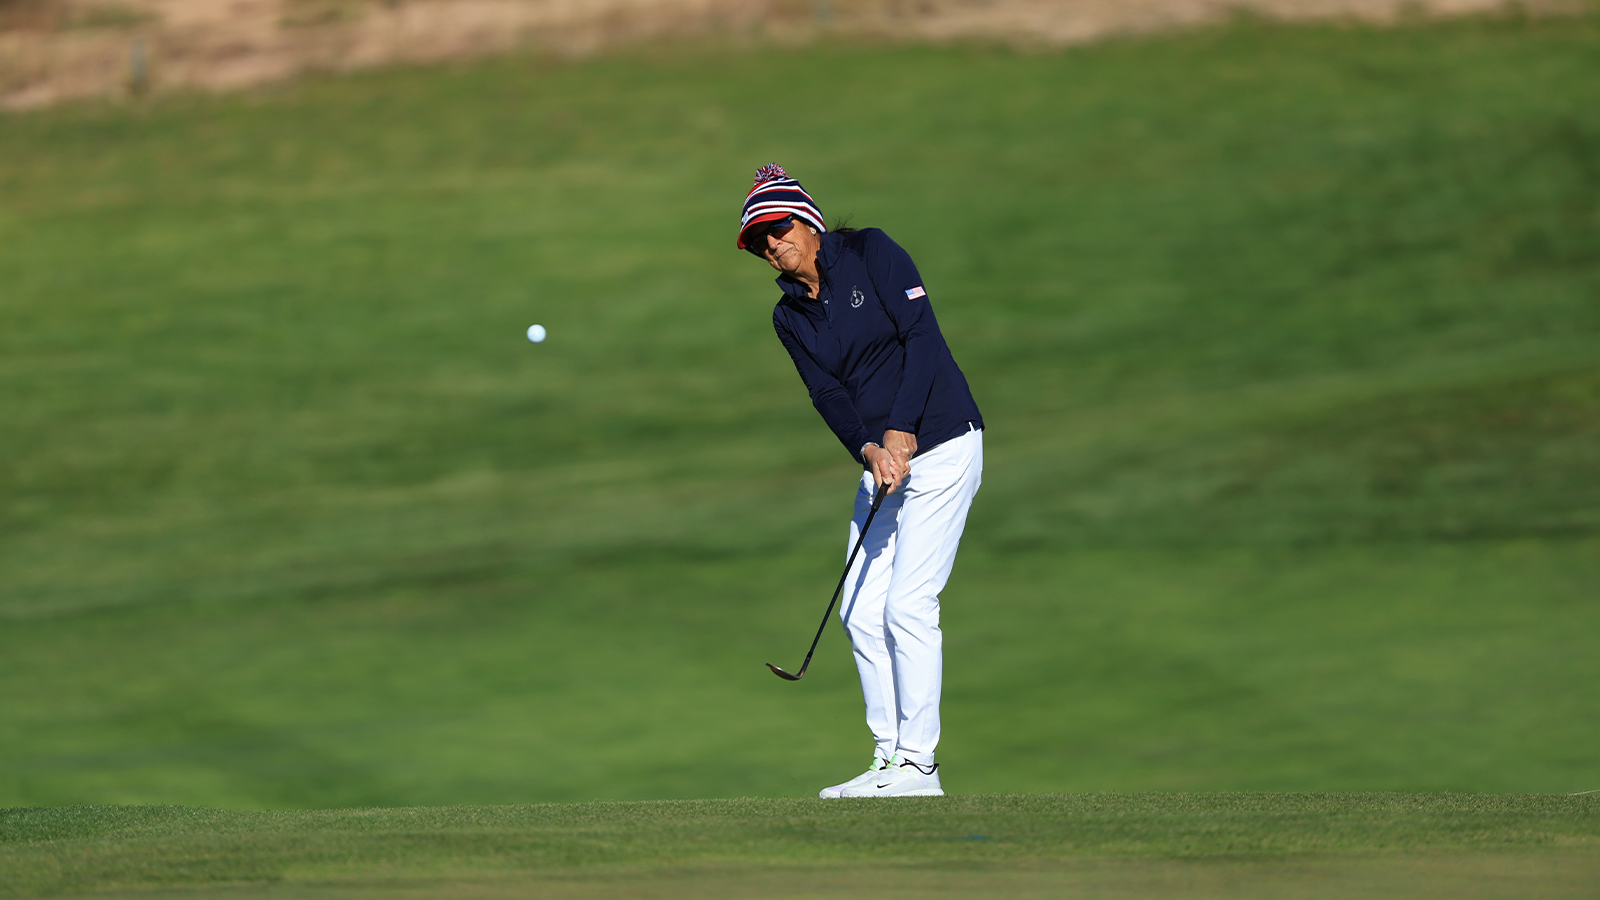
{"x": 1286, "y": 339}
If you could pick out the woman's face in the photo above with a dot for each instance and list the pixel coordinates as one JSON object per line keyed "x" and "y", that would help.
{"x": 790, "y": 250}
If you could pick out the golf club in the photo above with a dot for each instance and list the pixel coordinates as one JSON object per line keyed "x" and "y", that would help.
{"x": 877, "y": 501}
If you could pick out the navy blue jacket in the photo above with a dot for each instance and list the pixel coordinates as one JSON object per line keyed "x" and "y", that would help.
{"x": 869, "y": 349}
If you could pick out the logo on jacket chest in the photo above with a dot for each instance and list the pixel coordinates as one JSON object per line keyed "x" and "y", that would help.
{"x": 856, "y": 298}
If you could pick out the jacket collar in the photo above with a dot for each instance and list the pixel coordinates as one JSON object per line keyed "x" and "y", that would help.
{"x": 827, "y": 258}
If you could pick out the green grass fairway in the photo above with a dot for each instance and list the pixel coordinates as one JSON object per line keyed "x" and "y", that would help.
{"x": 1288, "y": 340}
{"x": 1097, "y": 845}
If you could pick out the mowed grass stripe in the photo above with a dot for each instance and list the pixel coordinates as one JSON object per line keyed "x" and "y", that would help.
{"x": 94, "y": 848}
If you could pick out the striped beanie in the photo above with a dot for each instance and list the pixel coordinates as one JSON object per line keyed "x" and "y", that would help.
{"x": 775, "y": 196}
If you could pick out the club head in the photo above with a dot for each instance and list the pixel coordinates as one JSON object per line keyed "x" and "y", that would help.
{"x": 785, "y": 675}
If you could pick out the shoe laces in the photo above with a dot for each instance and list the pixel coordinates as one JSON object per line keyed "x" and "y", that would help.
{"x": 926, "y": 770}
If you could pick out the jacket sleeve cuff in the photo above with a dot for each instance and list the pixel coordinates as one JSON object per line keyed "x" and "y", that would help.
{"x": 857, "y": 444}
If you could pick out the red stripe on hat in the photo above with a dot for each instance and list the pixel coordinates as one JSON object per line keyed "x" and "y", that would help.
{"x": 758, "y": 220}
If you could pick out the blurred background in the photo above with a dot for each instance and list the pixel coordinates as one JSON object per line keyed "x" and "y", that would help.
{"x": 1284, "y": 323}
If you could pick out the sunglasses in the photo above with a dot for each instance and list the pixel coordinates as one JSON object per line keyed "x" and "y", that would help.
{"x": 756, "y": 238}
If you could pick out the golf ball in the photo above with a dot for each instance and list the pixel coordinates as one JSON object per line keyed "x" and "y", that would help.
{"x": 536, "y": 333}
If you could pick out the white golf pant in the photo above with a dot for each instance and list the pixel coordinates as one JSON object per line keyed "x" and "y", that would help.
{"x": 891, "y": 600}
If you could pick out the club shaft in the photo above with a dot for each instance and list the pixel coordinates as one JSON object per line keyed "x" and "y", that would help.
{"x": 877, "y": 501}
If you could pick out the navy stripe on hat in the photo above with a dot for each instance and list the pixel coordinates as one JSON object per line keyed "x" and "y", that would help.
{"x": 774, "y": 196}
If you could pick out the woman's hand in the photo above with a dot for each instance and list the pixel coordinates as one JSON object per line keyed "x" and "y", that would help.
{"x": 886, "y": 467}
{"x": 892, "y": 462}
{"x": 903, "y": 444}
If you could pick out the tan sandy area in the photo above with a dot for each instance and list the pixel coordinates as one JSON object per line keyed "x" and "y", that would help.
{"x": 55, "y": 50}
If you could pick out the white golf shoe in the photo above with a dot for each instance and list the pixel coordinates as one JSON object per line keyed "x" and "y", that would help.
{"x": 904, "y": 780}
{"x": 878, "y": 765}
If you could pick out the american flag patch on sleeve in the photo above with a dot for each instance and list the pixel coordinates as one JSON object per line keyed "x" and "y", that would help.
{"x": 914, "y": 293}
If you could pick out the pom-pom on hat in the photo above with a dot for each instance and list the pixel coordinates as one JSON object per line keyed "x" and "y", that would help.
{"x": 775, "y": 196}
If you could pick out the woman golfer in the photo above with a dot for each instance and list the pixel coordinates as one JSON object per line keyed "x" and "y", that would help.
{"x": 856, "y": 319}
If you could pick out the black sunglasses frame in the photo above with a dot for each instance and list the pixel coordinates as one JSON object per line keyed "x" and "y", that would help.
{"x": 756, "y": 240}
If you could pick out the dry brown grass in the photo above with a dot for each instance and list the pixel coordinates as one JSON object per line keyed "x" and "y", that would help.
{"x": 55, "y": 50}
